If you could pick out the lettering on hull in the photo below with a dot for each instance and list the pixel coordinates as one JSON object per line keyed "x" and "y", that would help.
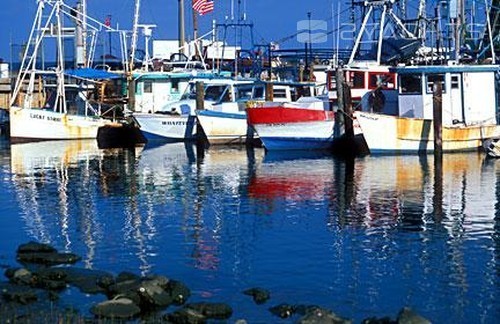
{"x": 42, "y": 117}
{"x": 174, "y": 123}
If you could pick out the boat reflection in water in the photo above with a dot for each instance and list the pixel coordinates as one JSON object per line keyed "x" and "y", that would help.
{"x": 363, "y": 237}
{"x": 57, "y": 190}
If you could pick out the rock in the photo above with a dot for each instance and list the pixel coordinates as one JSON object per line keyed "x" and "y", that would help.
{"x": 375, "y": 320}
{"x": 179, "y": 292}
{"x": 186, "y": 316}
{"x": 120, "y": 308}
{"x": 408, "y": 316}
{"x": 87, "y": 280}
{"x": 35, "y": 247}
{"x": 127, "y": 276}
{"x": 21, "y": 295}
{"x": 59, "y": 274}
{"x": 48, "y": 258}
{"x": 305, "y": 309}
{"x": 126, "y": 288}
{"x": 212, "y": 310}
{"x": 20, "y": 276}
{"x": 153, "y": 295}
{"x": 283, "y": 310}
{"x": 260, "y": 295}
{"x": 322, "y": 316}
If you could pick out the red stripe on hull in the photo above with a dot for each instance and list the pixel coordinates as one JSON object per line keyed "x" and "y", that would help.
{"x": 275, "y": 115}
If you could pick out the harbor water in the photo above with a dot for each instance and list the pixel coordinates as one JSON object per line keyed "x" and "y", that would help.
{"x": 362, "y": 237}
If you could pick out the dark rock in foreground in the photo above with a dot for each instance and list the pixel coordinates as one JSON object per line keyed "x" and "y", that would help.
{"x": 260, "y": 295}
{"x": 40, "y": 253}
{"x": 212, "y": 310}
{"x": 119, "y": 308}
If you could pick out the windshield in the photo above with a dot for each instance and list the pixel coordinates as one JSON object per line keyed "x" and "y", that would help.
{"x": 212, "y": 92}
{"x": 215, "y": 92}
{"x": 190, "y": 92}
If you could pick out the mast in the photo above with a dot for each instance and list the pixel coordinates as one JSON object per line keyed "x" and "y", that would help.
{"x": 133, "y": 45}
{"x": 80, "y": 46}
{"x": 422, "y": 17}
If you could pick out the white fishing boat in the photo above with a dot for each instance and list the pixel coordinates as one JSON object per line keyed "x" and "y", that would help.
{"x": 469, "y": 110}
{"x": 51, "y": 103}
{"x": 177, "y": 121}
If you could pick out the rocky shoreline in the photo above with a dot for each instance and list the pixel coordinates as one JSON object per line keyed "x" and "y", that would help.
{"x": 32, "y": 293}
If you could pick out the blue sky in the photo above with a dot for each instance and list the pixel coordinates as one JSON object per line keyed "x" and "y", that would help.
{"x": 273, "y": 19}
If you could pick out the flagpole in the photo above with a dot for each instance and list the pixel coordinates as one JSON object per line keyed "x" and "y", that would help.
{"x": 181, "y": 26}
{"x": 195, "y": 29}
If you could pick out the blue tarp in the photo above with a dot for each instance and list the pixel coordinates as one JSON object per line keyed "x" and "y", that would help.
{"x": 88, "y": 73}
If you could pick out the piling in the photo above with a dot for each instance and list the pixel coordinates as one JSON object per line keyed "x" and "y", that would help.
{"x": 201, "y": 141}
{"x": 438, "y": 151}
{"x": 269, "y": 92}
{"x": 200, "y": 95}
{"x": 437, "y": 100}
{"x": 344, "y": 103}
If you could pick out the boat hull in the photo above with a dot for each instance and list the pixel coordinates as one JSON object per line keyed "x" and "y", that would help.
{"x": 224, "y": 128}
{"x": 39, "y": 124}
{"x": 167, "y": 127}
{"x": 392, "y": 135}
{"x": 281, "y": 128}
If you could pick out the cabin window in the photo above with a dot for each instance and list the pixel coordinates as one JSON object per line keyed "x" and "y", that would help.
{"x": 214, "y": 92}
{"x": 431, "y": 81}
{"x": 357, "y": 79}
{"x": 190, "y": 92}
{"x": 455, "y": 82}
{"x": 280, "y": 93}
{"x": 243, "y": 93}
{"x": 332, "y": 82}
{"x": 410, "y": 84}
{"x": 258, "y": 93}
{"x": 381, "y": 79}
{"x": 174, "y": 86}
{"x": 148, "y": 87}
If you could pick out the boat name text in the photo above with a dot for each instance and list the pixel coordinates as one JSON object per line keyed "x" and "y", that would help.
{"x": 42, "y": 117}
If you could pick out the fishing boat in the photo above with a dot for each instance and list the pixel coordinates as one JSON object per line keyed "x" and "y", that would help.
{"x": 307, "y": 123}
{"x": 310, "y": 124}
{"x": 223, "y": 117}
{"x": 225, "y": 121}
{"x": 469, "y": 110}
{"x": 176, "y": 121}
{"x": 452, "y": 90}
{"x": 53, "y": 103}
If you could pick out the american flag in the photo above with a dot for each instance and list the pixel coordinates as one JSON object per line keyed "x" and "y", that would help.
{"x": 203, "y": 6}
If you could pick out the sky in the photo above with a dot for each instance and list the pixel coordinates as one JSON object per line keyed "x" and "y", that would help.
{"x": 281, "y": 21}
{"x": 273, "y": 20}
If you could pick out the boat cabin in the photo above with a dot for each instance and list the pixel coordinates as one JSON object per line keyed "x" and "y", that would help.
{"x": 232, "y": 96}
{"x": 469, "y": 93}
{"x": 364, "y": 80}
{"x": 155, "y": 90}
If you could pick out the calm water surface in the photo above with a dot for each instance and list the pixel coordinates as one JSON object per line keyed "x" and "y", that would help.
{"x": 361, "y": 237}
